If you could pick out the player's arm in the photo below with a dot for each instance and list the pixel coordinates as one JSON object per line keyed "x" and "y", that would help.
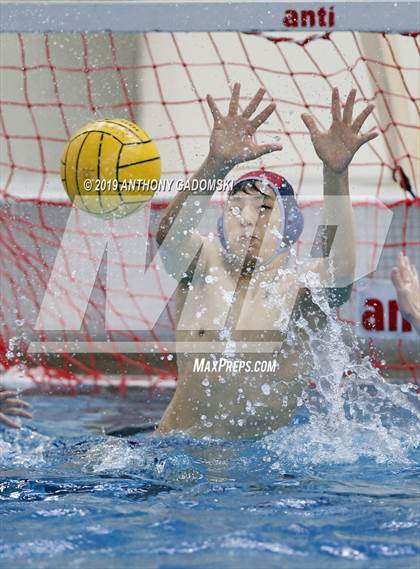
{"x": 336, "y": 148}
{"x": 231, "y": 142}
{"x": 177, "y": 234}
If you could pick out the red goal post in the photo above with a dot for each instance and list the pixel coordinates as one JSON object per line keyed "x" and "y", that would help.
{"x": 154, "y": 65}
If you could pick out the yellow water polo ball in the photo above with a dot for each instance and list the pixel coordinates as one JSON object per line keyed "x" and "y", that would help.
{"x": 110, "y": 167}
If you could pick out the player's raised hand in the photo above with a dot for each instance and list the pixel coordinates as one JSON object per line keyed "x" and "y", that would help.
{"x": 337, "y": 147}
{"x": 11, "y": 406}
{"x": 232, "y": 139}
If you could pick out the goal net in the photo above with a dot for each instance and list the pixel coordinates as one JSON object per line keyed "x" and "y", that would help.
{"x": 53, "y": 83}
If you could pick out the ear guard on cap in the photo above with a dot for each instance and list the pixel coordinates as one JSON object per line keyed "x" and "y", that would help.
{"x": 294, "y": 221}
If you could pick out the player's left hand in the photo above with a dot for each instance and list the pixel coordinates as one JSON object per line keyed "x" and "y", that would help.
{"x": 337, "y": 147}
{"x": 11, "y": 406}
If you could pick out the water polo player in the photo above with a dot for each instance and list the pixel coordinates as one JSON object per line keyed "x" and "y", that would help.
{"x": 241, "y": 291}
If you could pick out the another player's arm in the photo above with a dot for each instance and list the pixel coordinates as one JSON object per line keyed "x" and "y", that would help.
{"x": 407, "y": 286}
{"x": 12, "y": 406}
{"x": 336, "y": 148}
{"x": 231, "y": 142}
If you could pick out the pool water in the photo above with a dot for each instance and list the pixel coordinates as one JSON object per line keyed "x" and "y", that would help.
{"x": 311, "y": 495}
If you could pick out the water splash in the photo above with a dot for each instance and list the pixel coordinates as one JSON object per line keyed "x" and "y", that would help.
{"x": 354, "y": 413}
{"x": 23, "y": 448}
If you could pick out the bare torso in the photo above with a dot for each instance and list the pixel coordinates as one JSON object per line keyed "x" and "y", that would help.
{"x": 216, "y": 315}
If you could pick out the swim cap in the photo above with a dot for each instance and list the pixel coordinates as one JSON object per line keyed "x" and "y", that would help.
{"x": 292, "y": 222}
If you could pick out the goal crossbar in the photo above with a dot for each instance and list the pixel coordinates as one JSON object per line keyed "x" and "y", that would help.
{"x": 251, "y": 16}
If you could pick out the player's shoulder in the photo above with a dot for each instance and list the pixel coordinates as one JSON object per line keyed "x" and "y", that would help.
{"x": 311, "y": 272}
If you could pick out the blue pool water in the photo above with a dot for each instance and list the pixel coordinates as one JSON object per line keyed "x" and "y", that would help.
{"x": 311, "y": 495}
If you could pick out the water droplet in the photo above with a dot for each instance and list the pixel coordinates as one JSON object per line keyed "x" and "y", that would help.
{"x": 266, "y": 389}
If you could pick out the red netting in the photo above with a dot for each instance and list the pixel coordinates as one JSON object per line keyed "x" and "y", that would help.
{"x": 54, "y": 83}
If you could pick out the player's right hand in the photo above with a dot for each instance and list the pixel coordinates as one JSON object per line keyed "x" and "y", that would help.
{"x": 232, "y": 139}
